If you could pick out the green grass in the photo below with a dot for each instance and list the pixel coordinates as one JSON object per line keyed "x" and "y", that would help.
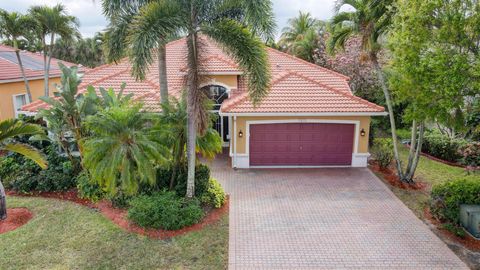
{"x": 64, "y": 235}
{"x": 430, "y": 172}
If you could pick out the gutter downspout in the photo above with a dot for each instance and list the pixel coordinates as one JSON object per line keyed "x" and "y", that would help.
{"x": 234, "y": 162}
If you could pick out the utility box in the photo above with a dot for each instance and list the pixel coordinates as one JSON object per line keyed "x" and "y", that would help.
{"x": 470, "y": 219}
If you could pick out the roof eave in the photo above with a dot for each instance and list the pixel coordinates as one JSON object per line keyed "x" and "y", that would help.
{"x": 303, "y": 113}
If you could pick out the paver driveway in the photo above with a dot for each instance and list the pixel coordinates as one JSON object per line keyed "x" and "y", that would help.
{"x": 324, "y": 219}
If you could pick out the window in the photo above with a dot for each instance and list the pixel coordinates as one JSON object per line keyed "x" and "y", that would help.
{"x": 18, "y": 102}
{"x": 216, "y": 93}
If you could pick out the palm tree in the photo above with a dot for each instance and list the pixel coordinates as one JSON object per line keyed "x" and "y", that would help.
{"x": 14, "y": 27}
{"x": 370, "y": 20}
{"x": 123, "y": 25}
{"x": 53, "y": 21}
{"x": 123, "y": 151}
{"x": 173, "y": 130}
{"x": 8, "y": 130}
{"x": 234, "y": 25}
{"x": 302, "y": 35}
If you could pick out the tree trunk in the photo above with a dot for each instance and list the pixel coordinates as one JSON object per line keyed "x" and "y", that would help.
{"x": 3, "y": 203}
{"x": 47, "y": 68}
{"x": 45, "y": 74}
{"x": 22, "y": 70}
{"x": 413, "y": 143}
{"x": 411, "y": 172}
{"x": 162, "y": 72}
{"x": 393, "y": 128}
{"x": 192, "y": 84}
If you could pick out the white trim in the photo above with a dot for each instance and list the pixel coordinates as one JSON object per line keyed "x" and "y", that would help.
{"x": 243, "y": 160}
{"x": 27, "y": 113}
{"x": 214, "y": 82}
{"x": 29, "y": 79}
{"x": 234, "y": 161}
{"x": 16, "y": 110}
{"x": 307, "y": 114}
{"x": 215, "y": 73}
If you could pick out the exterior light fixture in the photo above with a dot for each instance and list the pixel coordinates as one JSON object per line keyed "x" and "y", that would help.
{"x": 240, "y": 134}
{"x": 362, "y": 132}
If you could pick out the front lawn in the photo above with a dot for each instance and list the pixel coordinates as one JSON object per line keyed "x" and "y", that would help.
{"x": 64, "y": 235}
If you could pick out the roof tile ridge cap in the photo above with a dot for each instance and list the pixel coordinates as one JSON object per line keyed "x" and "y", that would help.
{"x": 310, "y": 64}
{"x": 366, "y": 102}
{"x": 226, "y": 60}
{"x": 91, "y": 70}
{"x": 152, "y": 92}
{"x": 282, "y": 76}
{"x": 104, "y": 78}
{"x": 235, "y": 101}
{"x": 174, "y": 42}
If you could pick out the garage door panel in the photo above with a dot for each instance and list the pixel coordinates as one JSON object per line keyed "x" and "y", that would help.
{"x": 301, "y": 144}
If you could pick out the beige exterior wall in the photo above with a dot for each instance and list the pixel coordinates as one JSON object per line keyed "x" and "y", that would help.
{"x": 8, "y": 90}
{"x": 242, "y": 126}
{"x": 226, "y": 80}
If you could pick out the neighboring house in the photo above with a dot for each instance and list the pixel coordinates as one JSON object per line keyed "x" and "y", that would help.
{"x": 12, "y": 87}
{"x": 309, "y": 118}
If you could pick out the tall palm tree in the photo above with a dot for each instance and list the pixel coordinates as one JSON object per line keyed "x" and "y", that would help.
{"x": 53, "y": 21}
{"x": 301, "y": 36}
{"x": 123, "y": 149}
{"x": 14, "y": 27}
{"x": 370, "y": 20}
{"x": 8, "y": 130}
{"x": 234, "y": 25}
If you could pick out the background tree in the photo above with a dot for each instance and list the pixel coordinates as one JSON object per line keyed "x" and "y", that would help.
{"x": 123, "y": 150}
{"x": 15, "y": 27}
{"x": 433, "y": 64}
{"x": 369, "y": 20}
{"x": 9, "y": 129}
{"x": 303, "y": 36}
{"x": 233, "y": 24}
{"x": 53, "y": 21}
{"x": 85, "y": 51}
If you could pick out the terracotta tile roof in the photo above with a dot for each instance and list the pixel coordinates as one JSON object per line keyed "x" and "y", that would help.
{"x": 32, "y": 62}
{"x": 292, "y": 92}
{"x": 297, "y": 85}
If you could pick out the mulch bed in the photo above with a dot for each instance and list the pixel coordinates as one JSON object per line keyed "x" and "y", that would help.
{"x": 119, "y": 216}
{"x": 392, "y": 178}
{"x": 468, "y": 241}
{"x": 16, "y": 217}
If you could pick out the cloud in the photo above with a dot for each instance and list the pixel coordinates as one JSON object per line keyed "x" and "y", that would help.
{"x": 92, "y": 20}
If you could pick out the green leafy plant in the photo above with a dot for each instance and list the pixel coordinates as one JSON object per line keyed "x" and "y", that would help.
{"x": 470, "y": 154}
{"x": 164, "y": 210}
{"x": 442, "y": 146}
{"x": 382, "y": 151}
{"x": 88, "y": 189}
{"x": 404, "y": 134}
{"x": 214, "y": 195}
{"x": 447, "y": 197}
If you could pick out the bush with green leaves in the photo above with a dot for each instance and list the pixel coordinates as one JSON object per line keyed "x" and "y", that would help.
{"x": 382, "y": 151}
{"x": 214, "y": 195}
{"x": 27, "y": 177}
{"x": 88, "y": 189}
{"x": 164, "y": 210}
{"x": 164, "y": 175}
{"x": 404, "y": 134}
{"x": 447, "y": 197}
{"x": 470, "y": 154}
{"x": 441, "y": 146}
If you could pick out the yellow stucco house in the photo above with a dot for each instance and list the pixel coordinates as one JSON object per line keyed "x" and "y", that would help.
{"x": 12, "y": 87}
{"x": 310, "y": 117}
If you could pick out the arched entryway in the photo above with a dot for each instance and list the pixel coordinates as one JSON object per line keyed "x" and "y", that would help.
{"x": 218, "y": 94}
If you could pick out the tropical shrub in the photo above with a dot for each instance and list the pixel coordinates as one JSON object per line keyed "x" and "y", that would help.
{"x": 447, "y": 197}
{"x": 164, "y": 175}
{"x": 214, "y": 195}
{"x": 164, "y": 210}
{"x": 404, "y": 134}
{"x": 470, "y": 154}
{"x": 88, "y": 189}
{"x": 441, "y": 146}
{"x": 28, "y": 177}
{"x": 382, "y": 151}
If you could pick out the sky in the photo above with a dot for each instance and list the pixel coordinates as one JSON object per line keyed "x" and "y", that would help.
{"x": 92, "y": 21}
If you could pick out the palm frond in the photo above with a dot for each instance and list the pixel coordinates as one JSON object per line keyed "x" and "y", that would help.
{"x": 13, "y": 127}
{"x": 28, "y": 152}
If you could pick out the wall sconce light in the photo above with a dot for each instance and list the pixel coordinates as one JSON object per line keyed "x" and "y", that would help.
{"x": 362, "y": 132}
{"x": 240, "y": 134}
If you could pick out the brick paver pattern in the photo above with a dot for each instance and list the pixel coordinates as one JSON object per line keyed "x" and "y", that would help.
{"x": 342, "y": 218}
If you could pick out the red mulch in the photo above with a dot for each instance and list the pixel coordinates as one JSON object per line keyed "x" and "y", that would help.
{"x": 392, "y": 178}
{"x": 119, "y": 216}
{"x": 16, "y": 217}
{"x": 468, "y": 241}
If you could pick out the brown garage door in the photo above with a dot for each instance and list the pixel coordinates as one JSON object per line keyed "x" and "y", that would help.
{"x": 301, "y": 144}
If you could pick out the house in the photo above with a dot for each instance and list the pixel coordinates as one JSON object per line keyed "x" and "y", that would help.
{"x": 309, "y": 118}
{"x": 12, "y": 87}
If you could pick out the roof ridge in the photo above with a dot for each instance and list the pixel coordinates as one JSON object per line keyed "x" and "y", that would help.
{"x": 310, "y": 64}
{"x": 104, "y": 78}
{"x": 235, "y": 100}
{"x": 366, "y": 102}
